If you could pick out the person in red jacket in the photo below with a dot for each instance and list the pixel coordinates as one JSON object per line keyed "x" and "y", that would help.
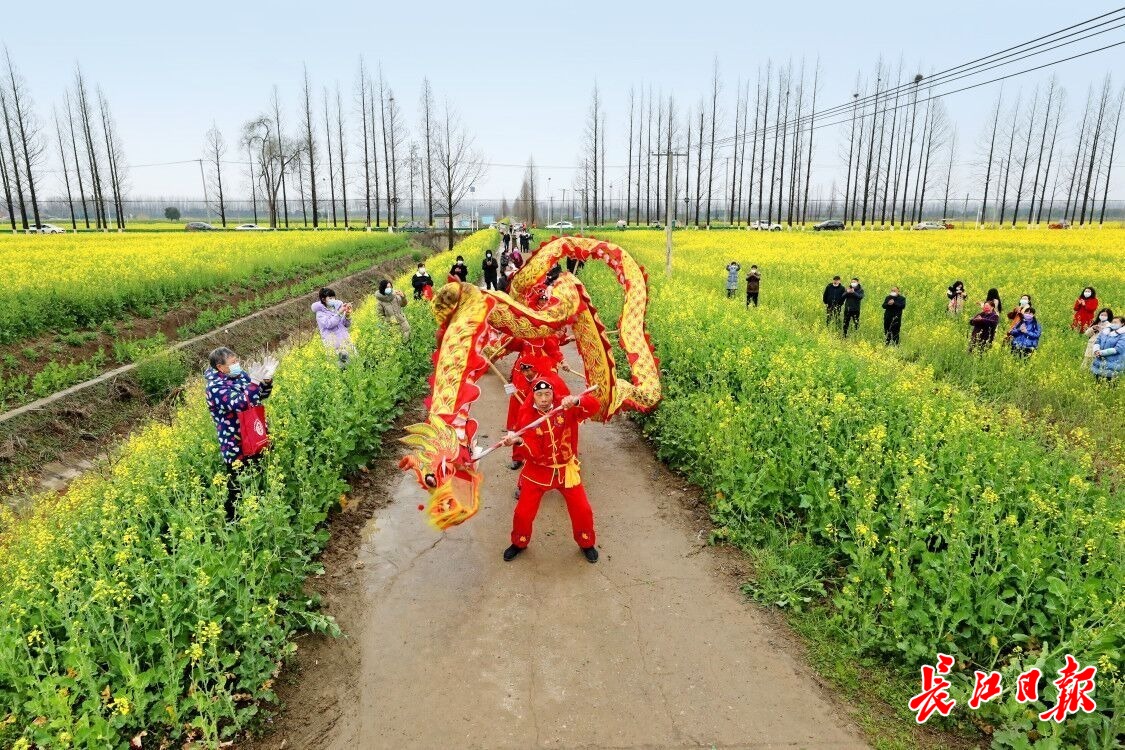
{"x": 1085, "y": 308}
{"x": 550, "y": 455}
{"x": 529, "y": 366}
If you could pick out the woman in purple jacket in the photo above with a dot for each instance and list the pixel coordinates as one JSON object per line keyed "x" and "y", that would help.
{"x": 334, "y": 318}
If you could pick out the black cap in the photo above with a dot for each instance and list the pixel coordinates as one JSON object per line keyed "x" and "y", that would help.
{"x": 542, "y": 385}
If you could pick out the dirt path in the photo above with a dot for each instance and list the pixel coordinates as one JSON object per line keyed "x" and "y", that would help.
{"x": 450, "y": 647}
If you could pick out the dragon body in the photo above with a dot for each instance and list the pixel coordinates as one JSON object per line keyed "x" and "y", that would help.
{"x": 476, "y": 326}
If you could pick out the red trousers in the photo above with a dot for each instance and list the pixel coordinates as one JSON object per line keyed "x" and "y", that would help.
{"x": 531, "y": 494}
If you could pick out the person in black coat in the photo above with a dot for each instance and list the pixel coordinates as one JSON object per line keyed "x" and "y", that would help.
{"x": 420, "y": 280}
{"x": 853, "y": 296}
{"x": 893, "y": 305}
{"x": 491, "y": 268}
{"x": 833, "y": 300}
{"x": 459, "y": 269}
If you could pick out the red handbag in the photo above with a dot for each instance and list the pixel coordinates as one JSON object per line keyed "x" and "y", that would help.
{"x": 253, "y": 431}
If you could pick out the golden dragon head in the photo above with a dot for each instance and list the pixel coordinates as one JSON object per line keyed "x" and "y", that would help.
{"x": 442, "y": 469}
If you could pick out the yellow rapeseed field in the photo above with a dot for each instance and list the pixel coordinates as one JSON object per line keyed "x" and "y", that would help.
{"x": 54, "y": 281}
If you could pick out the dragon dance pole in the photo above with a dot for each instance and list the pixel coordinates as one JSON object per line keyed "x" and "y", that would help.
{"x": 536, "y": 423}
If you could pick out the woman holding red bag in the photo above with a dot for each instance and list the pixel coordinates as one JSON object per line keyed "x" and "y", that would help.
{"x": 235, "y": 399}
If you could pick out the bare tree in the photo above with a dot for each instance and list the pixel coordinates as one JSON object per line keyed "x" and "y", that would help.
{"x": 388, "y": 160}
{"x": 699, "y": 162}
{"x": 415, "y": 174}
{"x": 428, "y": 140}
{"x": 27, "y": 126}
{"x": 1103, "y": 105}
{"x": 274, "y": 154}
{"x": 1079, "y": 151}
{"x": 994, "y": 126}
{"x": 341, "y": 149}
{"x": 366, "y": 143}
{"x": 762, "y": 128}
{"x": 851, "y": 149}
{"x": 593, "y": 145}
{"x": 13, "y": 156}
{"x": 214, "y": 151}
{"x": 309, "y": 149}
{"x": 715, "y": 86}
{"x": 1050, "y": 159}
{"x": 532, "y": 179}
{"x": 285, "y": 165}
{"x": 1112, "y": 150}
{"x": 375, "y": 149}
{"x": 909, "y": 146}
{"x": 85, "y": 113}
{"x": 253, "y": 180}
{"x": 1007, "y": 168}
{"x": 65, "y": 168}
{"x": 77, "y": 161}
{"x": 6, "y": 180}
{"x": 114, "y": 157}
{"x": 738, "y": 105}
{"x": 458, "y": 166}
{"x": 629, "y": 158}
{"x": 871, "y": 145}
{"x": 808, "y": 157}
{"x": 1026, "y": 153}
{"x": 1042, "y": 146}
{"x": 328, "y": 151}
{"x": 949, "y": 174}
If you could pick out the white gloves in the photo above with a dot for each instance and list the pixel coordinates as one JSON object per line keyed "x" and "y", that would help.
{"x": 264, "y": 370}
{"x": 509, "y": 389}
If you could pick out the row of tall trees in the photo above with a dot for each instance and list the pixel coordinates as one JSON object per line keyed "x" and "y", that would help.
{"x": 745, "y": 153}
{"x": 84, "y": 135}
{"x": 1028, "y": 173}
{"x": 335, "y": 151}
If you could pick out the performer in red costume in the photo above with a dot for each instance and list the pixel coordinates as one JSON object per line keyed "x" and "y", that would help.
{"x": 550, "y": 453}
{"x": 527, "y": 368}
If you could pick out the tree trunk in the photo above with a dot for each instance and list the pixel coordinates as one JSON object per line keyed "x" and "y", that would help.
{"x": 1026, "y": 153}
{"x": 1112, "y": 150}
{"x": 808, "y": 158}
{"x": 1093, "y": 151}
{"x": 65, "y": 171}
{"x": 991, "y": 151}
{"x": 629, "y": 160}
{"x": 340, "y": 150}
{"x": 1047, "y": 170}
{"x": 714, "y": 120}
{"x": 77, "y": 161}
{"x": 1079, "y": 150}
{"x": 310, "y": 151}
{"x": 909, "y": 149}
{"x": 331, "y": 161}
{"x": 1008, "y": 161}
{"x": 871, "y": 145}
{"x": 366, "y": 143}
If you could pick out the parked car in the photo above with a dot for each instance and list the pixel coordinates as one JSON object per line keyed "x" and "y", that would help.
{"x": 764, "y": 226}
{"x": 198, "y": 226}
{"x": 560, "y": 225}
{"x": 925, "y": 225}
{"x": 44, "y": 229}
{"x": 1061, "y": 224}
{"x": 828, "y": 226}
{"x": 249, "y": 228}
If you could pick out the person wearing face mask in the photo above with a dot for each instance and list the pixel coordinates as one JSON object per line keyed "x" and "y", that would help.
{"x": 391, "y": 302}
{"x": 1016, "y": 315}
{"x": 833, "y": 301}
{"x": 550, "y": 455}
{"x": 334, "y": 319}
{"x": 753, "y": 285}
{"x": 732, "y": 278}
{"x": 229, "y": 390}
{"x": 1105, "y": 317}
{"x": 459, "y": 271}
{"x": 957, "y": 296}
{"x": 1109, "y": 357}
{"x": 491, "y": 270}
{"x": 1085, "y": 307}
{"x": 420, "y": 280}
{"x": 1024, "y": 336}
{"x": 984, "y": 328}
{"x": 893, "y": 305}
{"x": 853, "y": 297}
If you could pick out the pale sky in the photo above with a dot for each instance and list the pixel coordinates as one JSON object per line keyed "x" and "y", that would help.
{"x": 519, "y": 74}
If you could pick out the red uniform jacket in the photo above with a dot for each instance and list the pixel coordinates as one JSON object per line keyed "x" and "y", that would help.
{"x": 550, "y": 447}
{"x": 1084, "y": 311}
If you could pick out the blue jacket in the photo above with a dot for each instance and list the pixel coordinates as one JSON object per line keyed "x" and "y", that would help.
{"x": 226, "y": 396}
{"x": 1028, "y": 339}
{"x": 1112, "y": 346}
{"x": 732, "y": 275}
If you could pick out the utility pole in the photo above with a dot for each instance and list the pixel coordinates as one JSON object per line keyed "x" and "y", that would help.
{"x": 203, "y": 177}
{"x": 669, "y": 202}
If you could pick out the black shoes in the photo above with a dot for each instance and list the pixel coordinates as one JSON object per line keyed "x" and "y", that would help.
{"x": 591, "y": 554}
{"x": 512, "y": 551}
{"x": 515, "y": 465}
